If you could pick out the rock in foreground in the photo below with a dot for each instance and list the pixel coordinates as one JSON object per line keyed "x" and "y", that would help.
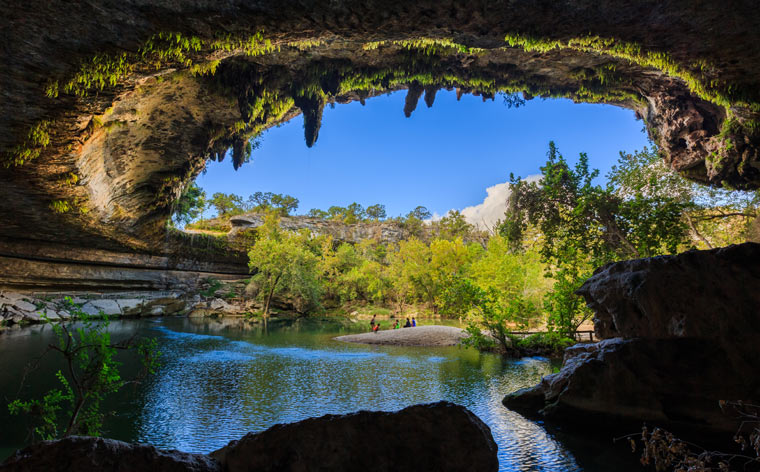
{"x": 417, "y": 336}
{"x": 685, "y": 334}
{"x": 439, "y": 436}
{"x": 88, "y": 454}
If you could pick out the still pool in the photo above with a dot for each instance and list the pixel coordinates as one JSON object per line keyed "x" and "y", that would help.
{"x": 221, "y": 379}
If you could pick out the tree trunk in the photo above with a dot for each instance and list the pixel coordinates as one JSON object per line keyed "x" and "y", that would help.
{"x": 696, "y": 233}
{"x": 269, "y": 297}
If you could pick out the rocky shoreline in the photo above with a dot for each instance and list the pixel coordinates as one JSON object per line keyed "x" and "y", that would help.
{"x": 19, "y": 309}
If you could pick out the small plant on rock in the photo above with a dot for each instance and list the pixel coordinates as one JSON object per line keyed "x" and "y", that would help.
{"x": 90, "y": 375}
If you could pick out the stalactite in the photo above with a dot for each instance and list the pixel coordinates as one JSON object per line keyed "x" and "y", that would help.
{"x": 412, "y": 97}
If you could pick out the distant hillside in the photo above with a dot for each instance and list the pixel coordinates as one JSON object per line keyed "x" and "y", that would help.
{"x": 390, "y": 231}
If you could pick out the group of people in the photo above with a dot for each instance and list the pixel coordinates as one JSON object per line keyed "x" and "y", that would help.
{"x": 375, "y": 325}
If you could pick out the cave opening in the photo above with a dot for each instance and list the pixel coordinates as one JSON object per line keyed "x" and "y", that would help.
{"x": 110, "y": 111}
{"x": 444, "y": 157}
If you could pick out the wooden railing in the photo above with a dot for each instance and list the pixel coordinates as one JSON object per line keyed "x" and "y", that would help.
{"x": 584, "y": 335}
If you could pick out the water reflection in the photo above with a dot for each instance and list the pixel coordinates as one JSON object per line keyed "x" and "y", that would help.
{"x": 219, "y": 381}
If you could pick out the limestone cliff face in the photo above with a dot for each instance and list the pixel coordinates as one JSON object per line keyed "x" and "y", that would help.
{"x": 111, "y": 107}
{"x": 680, "y": 333}
{"x": 386, "y": 232}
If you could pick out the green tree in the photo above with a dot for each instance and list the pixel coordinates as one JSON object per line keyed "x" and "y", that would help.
{"x": 190, "y": 205}
{"x": 584, "y": 225}
{"x": 227, "y": 204}
{"x": 714, "y": 216}
{"x": 421, "y": 213}
{"x": 512, "y": 274}
{"x": 452, "y": 226}
{"x": 414, "y": 222}
{"x": 356, "y": 213}
{"x": 334, "y": 266}
{"x": 317, "y": 213}
{"x": 495, "y": 319}
{"x": 422, "y": 271}
{"x": 376, "y": 212}
{"x": 284, "y": 263}
{"x": 337, "y": 213}
{"x": 264, "y": 202}
{"x": 91, "y": 374}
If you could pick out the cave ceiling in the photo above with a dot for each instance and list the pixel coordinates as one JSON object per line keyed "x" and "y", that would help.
{"x": 111, "y": 107}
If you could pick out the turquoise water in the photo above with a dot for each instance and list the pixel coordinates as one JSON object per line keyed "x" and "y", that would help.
{"x": 220, "y": 380}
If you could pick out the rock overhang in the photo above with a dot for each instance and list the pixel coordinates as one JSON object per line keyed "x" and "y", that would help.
{"x": 107, "y": 121}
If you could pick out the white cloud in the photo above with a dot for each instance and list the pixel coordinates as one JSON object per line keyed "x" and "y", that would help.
{"x": 485, "y": 215}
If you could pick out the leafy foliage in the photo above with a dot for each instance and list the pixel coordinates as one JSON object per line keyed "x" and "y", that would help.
{"x": 91, "y": 375}
{"x": 190, "y": 205}
{"x": 584, "y": 225}
{"x": 35, "y": 141}
{"x": 227, "y": 204}
{"x": 264, "y": 202}
{"x": 284, "y": 263}
{"x": 714, "y": 216}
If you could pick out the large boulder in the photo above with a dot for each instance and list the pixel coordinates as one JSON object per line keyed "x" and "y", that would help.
{"x": 438, "y": 436}
{"x": 703, "y": 294}
{"x": 683, "y": 333}
{"x": 85, "y": 454}
{"x": 669, "y": 382}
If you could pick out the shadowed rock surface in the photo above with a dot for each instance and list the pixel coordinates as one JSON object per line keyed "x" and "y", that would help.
{"x": 88, "y": 454}
{"x": 686, "y": 334}
{"x": 438, "y": 436}
{"x": 712, "y": 294}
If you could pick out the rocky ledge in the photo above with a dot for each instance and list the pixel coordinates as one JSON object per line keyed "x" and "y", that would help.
{"x": 439, "y": 436}
{"x": 208, "y": 298}
{"x": 680, "y": 333}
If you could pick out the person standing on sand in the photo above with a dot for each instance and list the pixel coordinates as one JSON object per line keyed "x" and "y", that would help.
{"x": 372, "y": 323}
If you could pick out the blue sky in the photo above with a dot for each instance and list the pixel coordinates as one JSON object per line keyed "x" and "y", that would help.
{"x": 444, "y": 157}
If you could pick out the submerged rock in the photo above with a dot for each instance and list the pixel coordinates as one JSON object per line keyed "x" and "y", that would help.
{"x": 686, "y": 335}
{"x": 438, "y": 436}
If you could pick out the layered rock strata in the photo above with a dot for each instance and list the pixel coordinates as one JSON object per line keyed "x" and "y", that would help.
{"x": 680, "y": 333}
{"x": 439, "y": 436}
{"x": 37, "y": 266}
